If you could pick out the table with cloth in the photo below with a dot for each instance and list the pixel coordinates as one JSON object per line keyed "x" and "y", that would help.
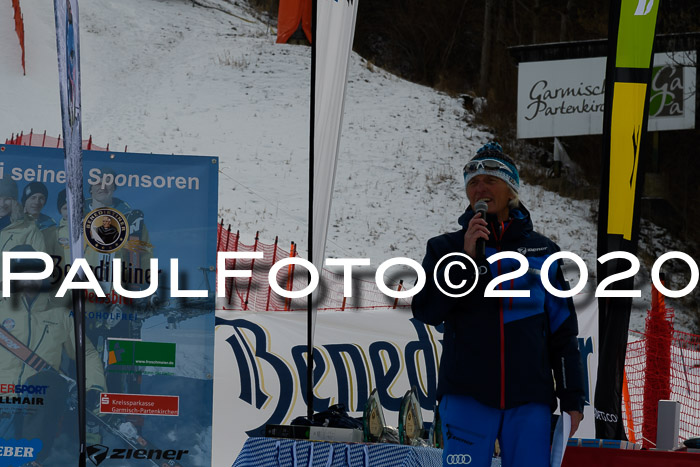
{"x": 274, "y": 452}
{"x": 269, "y": 452}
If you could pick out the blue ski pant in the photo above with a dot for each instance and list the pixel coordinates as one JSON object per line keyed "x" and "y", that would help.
{"x": 470, "y": 430}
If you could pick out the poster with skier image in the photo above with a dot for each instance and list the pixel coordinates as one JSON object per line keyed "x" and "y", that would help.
{"x": 149, "y": 359}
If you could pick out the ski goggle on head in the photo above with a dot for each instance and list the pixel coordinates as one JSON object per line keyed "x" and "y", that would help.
{"x": 485, "y": 164}
{"x": 494, "y": 167}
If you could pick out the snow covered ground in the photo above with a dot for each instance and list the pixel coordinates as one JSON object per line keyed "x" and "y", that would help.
{"x": 172, "y": 77}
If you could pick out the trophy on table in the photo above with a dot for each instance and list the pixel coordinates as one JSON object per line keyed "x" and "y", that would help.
{"x": 373, "y": 419}
{"x": 410, "y": 419}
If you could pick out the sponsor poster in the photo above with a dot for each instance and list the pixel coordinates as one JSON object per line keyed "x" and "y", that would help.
{"x": 149, "y": 360}
{"x": 261, "y": 367}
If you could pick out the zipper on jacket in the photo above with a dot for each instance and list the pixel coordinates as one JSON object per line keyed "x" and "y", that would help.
{"x": 503, "y": 345}
{"x": 43, "y": 334}
{"x": 498, "y": 235}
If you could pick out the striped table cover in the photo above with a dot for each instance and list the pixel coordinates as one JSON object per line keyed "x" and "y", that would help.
{"x": 273, "y": 452}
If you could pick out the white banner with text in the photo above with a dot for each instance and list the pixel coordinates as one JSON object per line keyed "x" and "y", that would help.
{"x": 260, "y": 367}
{"x": 566, "y": 97}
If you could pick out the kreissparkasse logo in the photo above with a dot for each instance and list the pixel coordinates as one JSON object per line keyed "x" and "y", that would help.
{"x": 106, "y": 230}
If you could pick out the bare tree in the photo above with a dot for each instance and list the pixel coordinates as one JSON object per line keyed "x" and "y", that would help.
{"x": 566, "y": 20}
{"x": 486, "y": 45}
{"x": 448, "y": 49}
{"x": 501, "y": 22}
{"x": 535, "y": 21}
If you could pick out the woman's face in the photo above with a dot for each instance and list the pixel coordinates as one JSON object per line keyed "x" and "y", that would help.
{"x": 494, "y": 191}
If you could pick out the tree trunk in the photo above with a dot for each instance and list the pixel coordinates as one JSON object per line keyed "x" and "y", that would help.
{"x": 486, "y": 49}
{"x": 516, "y": 27}
{"x": 501, "y": 22}
{"x": 566, "y": 20}
{"x": 535, "y": 20}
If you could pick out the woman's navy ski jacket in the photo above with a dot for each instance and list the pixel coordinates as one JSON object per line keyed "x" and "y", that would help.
{"x": 503, "y": 352}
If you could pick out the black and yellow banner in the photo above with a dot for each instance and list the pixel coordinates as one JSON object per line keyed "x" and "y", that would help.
{"x": 628, "y": 76}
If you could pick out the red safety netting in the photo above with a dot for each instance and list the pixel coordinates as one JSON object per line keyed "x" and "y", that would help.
{"x": 662, "y": 365}
{"x": 42, "y": 140}
{"x": 255, "y": 293}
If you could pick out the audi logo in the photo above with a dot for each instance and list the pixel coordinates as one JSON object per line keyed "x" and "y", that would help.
{"x": 455, "y": 459}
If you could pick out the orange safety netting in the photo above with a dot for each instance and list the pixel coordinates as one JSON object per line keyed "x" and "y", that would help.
{"x": 42, "y": 140}
{"x": 662, "y": 365}
{"x": 255, "y": 294}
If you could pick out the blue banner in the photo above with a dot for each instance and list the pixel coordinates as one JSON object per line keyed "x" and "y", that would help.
{"x": 149, "y": 361}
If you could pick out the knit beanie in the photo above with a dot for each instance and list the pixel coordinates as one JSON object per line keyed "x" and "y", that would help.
{"x": 504, "y": 168}
{"x": 32, "y": 189}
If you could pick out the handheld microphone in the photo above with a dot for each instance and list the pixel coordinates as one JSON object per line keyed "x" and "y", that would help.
{"x": 481, "y": 207}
